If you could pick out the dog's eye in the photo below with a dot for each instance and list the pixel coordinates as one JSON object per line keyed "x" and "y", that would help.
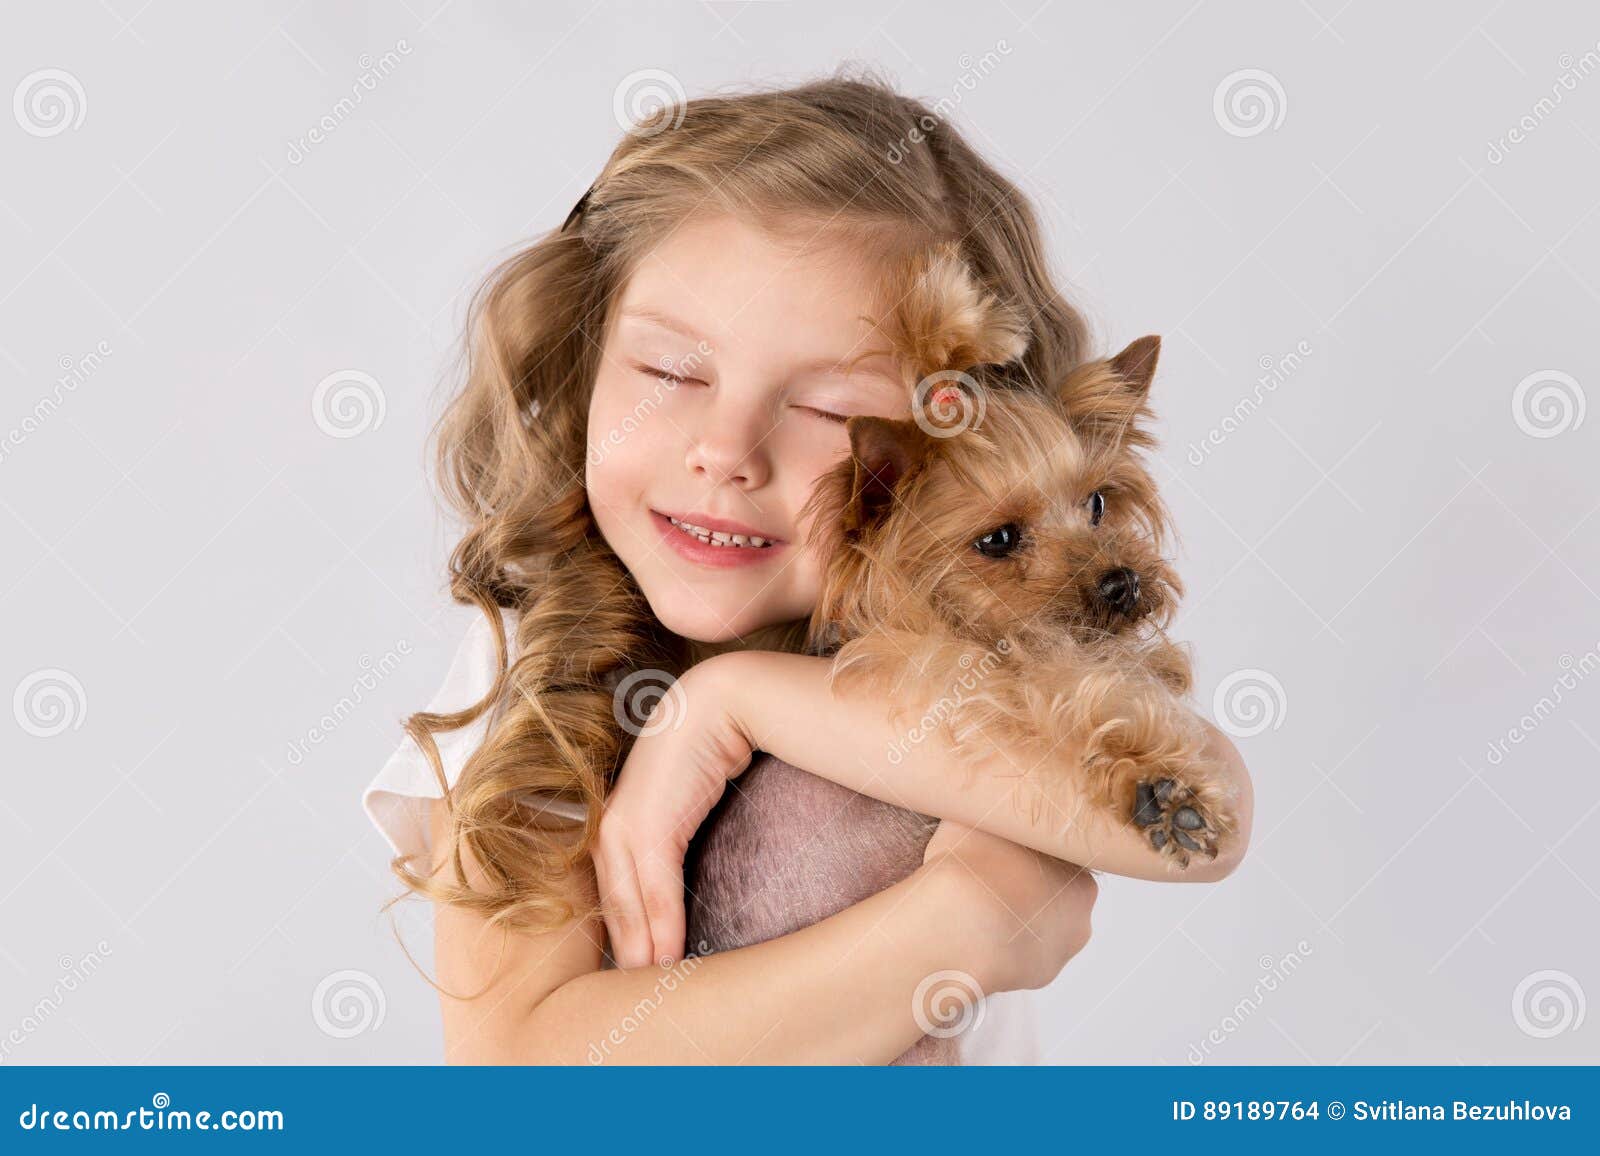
{"x": 999, "y": 542}
{"x": 1097, "y": 507}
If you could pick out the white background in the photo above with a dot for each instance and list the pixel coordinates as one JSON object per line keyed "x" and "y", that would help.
{"x": 1384, "y": 535}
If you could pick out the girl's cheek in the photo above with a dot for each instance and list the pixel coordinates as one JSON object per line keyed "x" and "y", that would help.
{"x": 815, "y": 452}
{"x": 808, "y": 460}
{"x": 627, "y": 422}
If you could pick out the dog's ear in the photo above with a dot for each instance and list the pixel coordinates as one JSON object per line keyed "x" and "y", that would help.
{"x": 884, "y": 454}
{"x": 1106, "y": 400}
{"x": 1136, "y": 365}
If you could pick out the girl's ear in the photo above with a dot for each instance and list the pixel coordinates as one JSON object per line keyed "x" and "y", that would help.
{"x": 884, "y": 454}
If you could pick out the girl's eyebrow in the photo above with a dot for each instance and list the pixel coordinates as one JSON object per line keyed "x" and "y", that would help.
{"x": 839, "y": 367}
{"x": 666, "y": 321}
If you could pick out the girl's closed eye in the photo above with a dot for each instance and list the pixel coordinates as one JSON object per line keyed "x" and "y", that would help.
{"x": 837, "y": 408}
{"x": 825, "y": 413}
{"x": 666, "y": 375}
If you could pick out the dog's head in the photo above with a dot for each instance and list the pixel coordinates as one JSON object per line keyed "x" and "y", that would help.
{"x": 1005, "y": 513}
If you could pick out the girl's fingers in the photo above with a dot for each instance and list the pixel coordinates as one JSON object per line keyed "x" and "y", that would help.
{"x": 622, "y": 904}
{"x": 661, "y": 885}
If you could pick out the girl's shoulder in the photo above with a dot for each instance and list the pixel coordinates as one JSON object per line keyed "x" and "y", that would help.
{"x": 399, "y": 797}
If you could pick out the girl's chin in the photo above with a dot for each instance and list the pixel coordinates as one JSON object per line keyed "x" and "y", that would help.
{"x": 702, "y": 628}
{"x": 712, "y": 626}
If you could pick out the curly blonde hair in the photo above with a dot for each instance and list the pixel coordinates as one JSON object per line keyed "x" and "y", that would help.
{"x": 846, "y": 155}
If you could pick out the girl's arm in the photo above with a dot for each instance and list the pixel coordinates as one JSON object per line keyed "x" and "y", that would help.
{"x": 840, "y": 991}
{"x": 736, "y": 703}
{"x": 783, "y": 703}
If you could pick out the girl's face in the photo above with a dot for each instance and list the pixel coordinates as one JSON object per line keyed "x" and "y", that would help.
{"x": 720, "y": 401}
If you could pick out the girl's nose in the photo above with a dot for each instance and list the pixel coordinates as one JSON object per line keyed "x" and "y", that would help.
{"x": 728, "y": 448}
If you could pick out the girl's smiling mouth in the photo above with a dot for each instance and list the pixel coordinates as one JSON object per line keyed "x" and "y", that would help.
{"x": 715, "y": 541}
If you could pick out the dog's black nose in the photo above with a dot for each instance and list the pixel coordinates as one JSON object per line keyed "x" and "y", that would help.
{"x": 1120, "y": 589}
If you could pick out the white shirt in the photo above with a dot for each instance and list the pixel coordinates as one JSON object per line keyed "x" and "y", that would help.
{"x": 397, "y": 801}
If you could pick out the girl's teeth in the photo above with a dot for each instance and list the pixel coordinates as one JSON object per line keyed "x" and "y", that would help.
{"x": 717, "y": 537}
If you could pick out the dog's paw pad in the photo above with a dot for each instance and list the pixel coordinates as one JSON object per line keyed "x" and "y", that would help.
{"x": 1174, "y": 819}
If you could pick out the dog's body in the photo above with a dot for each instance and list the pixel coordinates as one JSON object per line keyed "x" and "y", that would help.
{"x": 785, "y": 849}
{"x": 1005, "y": 576}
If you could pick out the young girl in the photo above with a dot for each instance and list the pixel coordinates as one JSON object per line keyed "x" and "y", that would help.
{"x": 652, "y": 392}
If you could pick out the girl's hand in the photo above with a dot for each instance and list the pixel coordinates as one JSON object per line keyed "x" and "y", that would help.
{"x": 1032, "y": 910}
{"x": 678, "y": 768}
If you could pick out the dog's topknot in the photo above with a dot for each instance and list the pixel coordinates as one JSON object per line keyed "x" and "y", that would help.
{"x": 938, "y": 316}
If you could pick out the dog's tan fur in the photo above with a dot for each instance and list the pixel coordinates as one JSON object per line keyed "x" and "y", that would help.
{"x": 1036, "y": 658}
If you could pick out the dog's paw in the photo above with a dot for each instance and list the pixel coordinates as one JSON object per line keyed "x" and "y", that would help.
{"x": 1174, "y": 820}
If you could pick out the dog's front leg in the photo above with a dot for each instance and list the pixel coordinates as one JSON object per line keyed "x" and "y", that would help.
{"x": 1145, "y": 759}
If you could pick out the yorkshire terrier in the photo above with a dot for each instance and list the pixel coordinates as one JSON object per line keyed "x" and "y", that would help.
{"x": 1001, "y": 556}
{"x": 1028, "y": 541}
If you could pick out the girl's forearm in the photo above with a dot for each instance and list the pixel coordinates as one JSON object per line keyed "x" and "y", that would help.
{"x": 785, "y": 706}
{"x": 837, "y": 992}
